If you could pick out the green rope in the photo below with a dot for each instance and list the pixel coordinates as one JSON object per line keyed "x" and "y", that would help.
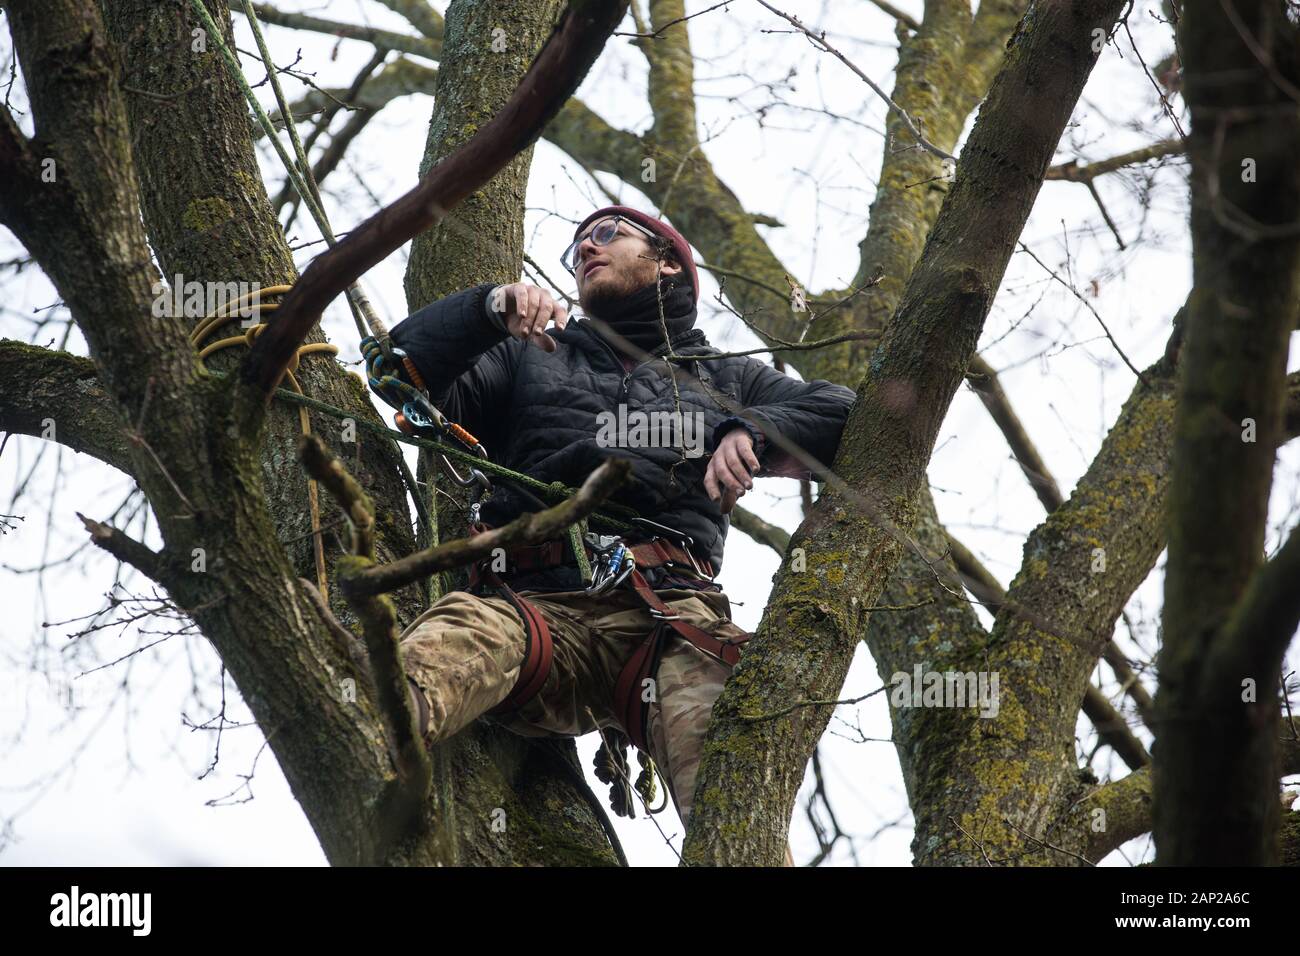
{"x": 579, "y": 552}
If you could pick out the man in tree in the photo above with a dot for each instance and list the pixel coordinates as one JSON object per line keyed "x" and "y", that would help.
{"x": 646, "y": 645}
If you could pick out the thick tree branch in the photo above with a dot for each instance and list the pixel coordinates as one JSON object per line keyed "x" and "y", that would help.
{"x": 1121, "y": 810}
{"x": 55, "y": 394}
{"x": 77, "y": 212}
{"x": 209, "y": 221}
{"x": 379, "y": 624}
{"x": 1111, "y": 726}
{"x": 126, "y": 549}
{"x": 985, "y": 46}
{"x": 670, "y": 86}
{"x": 1115, "y": 813}
{"x": 983, "y": 380}
{"x": 1081, "y": 566}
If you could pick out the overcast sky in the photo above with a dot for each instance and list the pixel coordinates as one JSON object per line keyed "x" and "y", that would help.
{"x": 124, "y": 777}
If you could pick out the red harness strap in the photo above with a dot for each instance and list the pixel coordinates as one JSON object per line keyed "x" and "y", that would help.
{"x": 630, "y": 705}
{"x": 539, "y": 651}
{"x": 539, "y": 648}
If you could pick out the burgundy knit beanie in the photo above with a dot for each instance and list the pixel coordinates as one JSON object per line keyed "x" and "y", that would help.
{"x": 680, "y": 246}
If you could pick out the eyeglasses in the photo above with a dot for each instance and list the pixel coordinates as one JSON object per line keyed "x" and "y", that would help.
{"x": 602, "y": 234}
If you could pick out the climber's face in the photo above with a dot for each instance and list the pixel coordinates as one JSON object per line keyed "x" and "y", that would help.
{"x": 622, "y": 264}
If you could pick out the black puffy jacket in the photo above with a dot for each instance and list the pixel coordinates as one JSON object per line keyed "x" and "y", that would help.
{"x": 537, "y": 412}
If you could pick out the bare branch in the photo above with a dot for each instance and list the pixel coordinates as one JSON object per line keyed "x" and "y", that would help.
{"x": 984, "y": 381}
{"x": 658, "y": 32}
{"x": 819, "y": 40}
{"x": 1115, "y": 813}
{"x": 1076, "y": 172}
{"x": 776, "y": 538}
{"x": 1113, "y": 729}
{"x": 379, "y": 623}
{"x": 125, "y": 548}
{"x": 1100, "y": 321}
{"x": 382, "y": 39}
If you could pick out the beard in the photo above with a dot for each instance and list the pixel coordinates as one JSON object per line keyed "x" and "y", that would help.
{"x": 614, "y": 286}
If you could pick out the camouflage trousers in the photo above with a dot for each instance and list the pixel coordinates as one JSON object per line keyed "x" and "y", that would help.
{"x": 465, "y": 653}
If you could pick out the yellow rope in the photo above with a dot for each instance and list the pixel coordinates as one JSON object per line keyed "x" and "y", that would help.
{"x": 225, "y": 315}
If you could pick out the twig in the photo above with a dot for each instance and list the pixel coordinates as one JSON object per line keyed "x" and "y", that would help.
{"x": 1075, "y": 292}
{"x": 820, "y": 40}
{"x": 690, "y": 16}
{"x": 812, "y": 703}
{"x": 1049, "y": 846}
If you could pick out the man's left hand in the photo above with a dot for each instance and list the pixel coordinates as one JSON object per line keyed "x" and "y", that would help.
{"x": 731, "y": 469}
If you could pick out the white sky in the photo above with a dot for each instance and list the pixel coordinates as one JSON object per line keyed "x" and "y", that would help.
{"x": 120, "y": 778}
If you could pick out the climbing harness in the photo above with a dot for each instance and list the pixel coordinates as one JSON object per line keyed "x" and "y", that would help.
{"x": 614, "y": 561}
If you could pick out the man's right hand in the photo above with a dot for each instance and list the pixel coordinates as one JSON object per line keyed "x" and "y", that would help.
{"x": 528, "y": 310}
